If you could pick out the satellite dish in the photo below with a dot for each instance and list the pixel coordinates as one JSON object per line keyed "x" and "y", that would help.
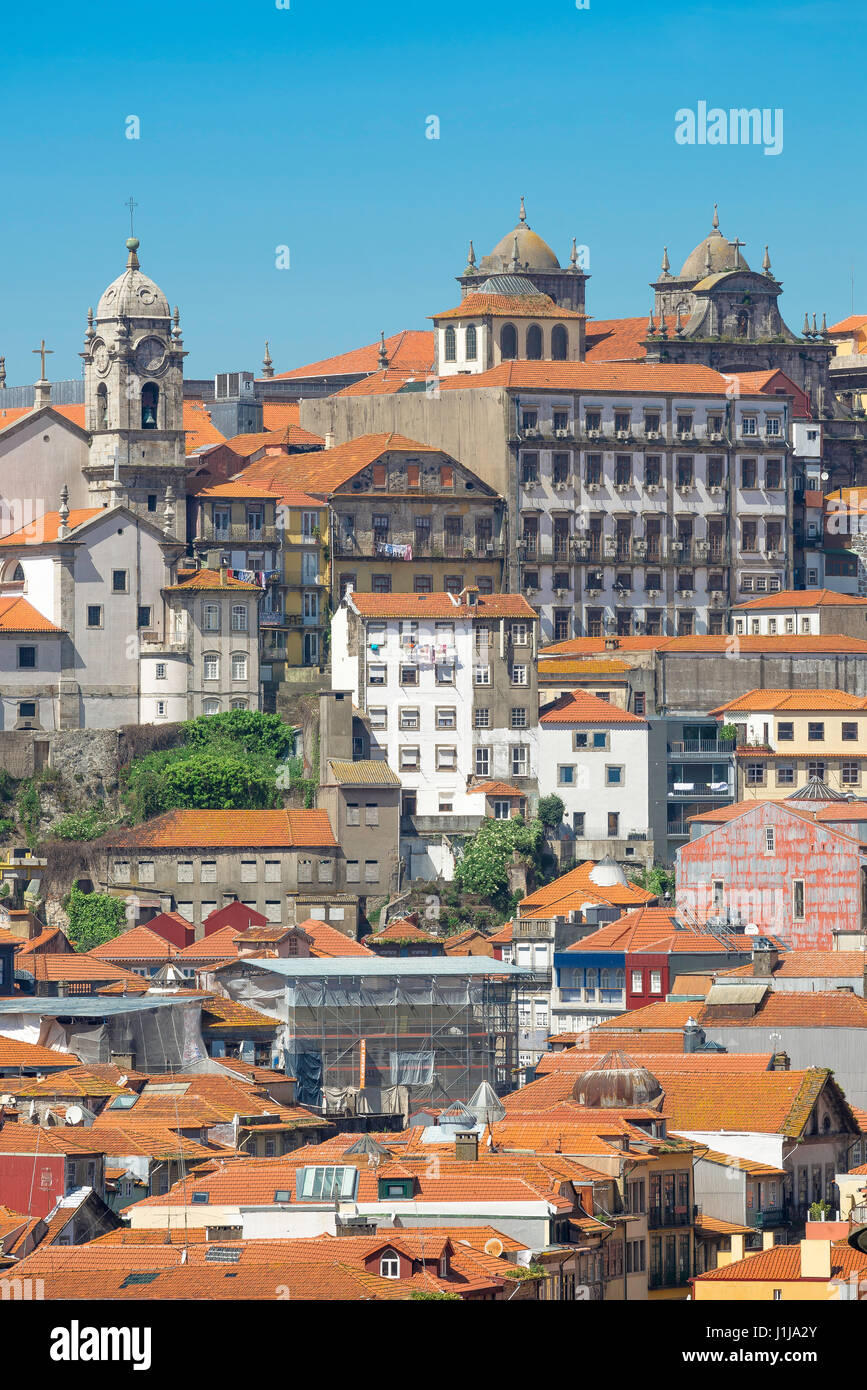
{"x": 74, "y": 1115}
{"x": 493, "y": 1247}
{"x": 751, "y": 929}
{"x": 824, "y": 475}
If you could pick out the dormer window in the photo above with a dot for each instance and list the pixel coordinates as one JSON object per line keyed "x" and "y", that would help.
{"x": 389, "y": 1265}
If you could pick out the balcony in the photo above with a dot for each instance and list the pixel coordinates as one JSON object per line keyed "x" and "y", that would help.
{"x": 669, "y": 1277}
{"x": 700, "y": 791}
{"x": 701, "y": 748}
{"x": 243, "y": 535}
{"x": 769, "y": 1220}
{"x": 663, "y": 1218}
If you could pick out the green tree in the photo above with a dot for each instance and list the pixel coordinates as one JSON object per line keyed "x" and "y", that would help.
{"x": 483, "y": 866}
{"x": 94, "y": 918}
{"x": 550, "y": 811}
{"x": 657, "y": 880}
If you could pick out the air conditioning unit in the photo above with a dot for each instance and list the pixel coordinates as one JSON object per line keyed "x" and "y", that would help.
{"x": 623, "y": 435}
{"x": 531, "y": 589}
{"x": 653, "y": 434}
{"x": 592, "y": 487}
{"x": 561, "y": 434}
{"x": 653, "y": 593}
{"x": 772, "y": 554}
{"x": 561, "y": 593}
{"x": 651, "y": 487}
{"x": 489, "y": 546}
{"x": 716, "y": 436}
{"x": 685, "y": 487}
{"x": 593, "y": 434}
{"x": 714, "y": 489}
{"x": 532, "y": 432}
{"x": 593, "y": 592}
{"x": 686, "y": 593}
{"x": 622, "y": 487}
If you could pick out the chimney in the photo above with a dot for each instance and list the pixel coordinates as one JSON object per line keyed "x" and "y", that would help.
{"x": 767, "y": 1240}
{"x": 815, "y": 1259}
{"x": 765, "y": 957}
{"x": 329, "y": 439}
{"x": 693, "y": 1036}
{"x": 467, "y": 1147}
{"x": 224, "y": 575}
{"x": 780, "y": 1061}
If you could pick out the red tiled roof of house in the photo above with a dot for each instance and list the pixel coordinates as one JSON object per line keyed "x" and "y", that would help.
{"x": 781, "y": 1264}
{"x": 17, "y": 615}
{"x": 402, "y": 930}
{"x": 803, "y": 598}
{"x": 412, "y": 348}
{"x": 575, "y": 888}
{"x": 217, "y": 945}
{"x": 139, "y": 943}
{"x": 210, "y": 579}
{"x": 199, "y": 428}
{"x": 283, "y": 829}
{"x": 235, "y": 914}
{"x": 619, "y": 340}
{"x": 549, "y": 669}
{"x": 42, "y": 530}
{"x": 646, "y": 378}
{"x": 580, "y": 707}
{"x": 794, "y": 700}
{"x": 329, "y": 942}
{"x": 441, "y": 606}
{"x": 589, "y": 646}
{"x": 814, "y": 645}
{"x": 218, "y": 1012}
{"x": 503, "y": 789}
{"x": 539, "y": 306}
{"x": 17, "y": 1053}
{"x": 504, "y": 935}
{"x": 651, "y": 928}
{"x": 745, "y": 1165}
{"x": 70, "y": 965}
{"x": 813, "y": 964}
{"x": 468, "y": 943}
{"x": 779, "y": 1009}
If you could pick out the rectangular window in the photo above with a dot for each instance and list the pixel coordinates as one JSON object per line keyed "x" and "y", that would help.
{"x": 482, "y": 675}
{"x": 119, "y": 581}
{"x": 446, "y": 758}
{"x": 850, "y": 732}
{"x": 850, "y": 774}
{"x": 353, "y": 813}
{"x": 614, "y": 776}
{"x": 239, "y": 617}
{"x": 208, "y": 871}
{"x": 371, "y": 813}
{"x": 566, "y": 775}
{"x": 518, "y": 717}
{"x": 353, "y": 872}
{"x": 185, "y": 871}
{"x": 161, "y": 671}
{"x": 248, "y": 871}
{"x": 121, "y": 871}
{"x": 408, "y": 675}
{"x": 371, "y": 870}
{"x": 520, "y": 759}
{"x": 770, "y": 840}
{"x": 27, "y": 658}
{"x": 408, "y": 717}
{"x": 326, "y": 870}
{"x": 748, "y": 473}
{"x": 482, "y": 718}
{"x": 94, "y": 615}
{"x": 483, "y": 762}
{"x": 445, "y": 673}
{"x": 785, "y": 776}
{"x": 378, "y": 716}
{"x": 785, "y": 731}
{"x": 519, "y": 675}
{"x": 272, "y": 871}
{"x": 446, "y": 717}
{"x": 613, "y": 825}
{"x": 212, "y": 667}
{"x": 239, "y": 666}
{"x": 656, "y": 982}
{"x": 798, "y": 899}
{"x": 376, "y": 675}
{"x": 409, "y": 759}
{"x": 815, "y": 731}
{"x": 211, "y": 617}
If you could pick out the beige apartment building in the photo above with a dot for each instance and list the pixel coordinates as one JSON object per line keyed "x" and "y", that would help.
{"x": 786, "y": 737}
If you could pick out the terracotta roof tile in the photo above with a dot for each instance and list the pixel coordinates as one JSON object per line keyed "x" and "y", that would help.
{"x": 329, "y": 942}
{"x": 139, "y": 944}
{"x": 411, "y": 348}
{"x": 283, "y": 829}
{"x": 575, "y": 888}
{"x": 17, "y": 615}
{"x": 794, "y": 700}
{"x": 539, "y": 306}
{"x": 440, "y": 605}
{"x": 802, "y": 598}
{"x": 211, "y": 579}
{"x": 782, "y": 1264}
{"x": 591, "y": 376}
{"x": 42, "y": 530}
{"x": 580, "y": 707}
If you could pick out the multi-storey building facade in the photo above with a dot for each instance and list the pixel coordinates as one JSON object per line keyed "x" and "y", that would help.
{"x": 785, "y": 737}
{"x": 448, "y": 683}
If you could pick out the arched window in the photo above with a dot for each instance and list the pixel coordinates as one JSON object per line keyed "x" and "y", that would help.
{"x": 210, "y": 707}
{"x": 18, "y": 575}
{"x": 150, "y": 396}
{"x": 559, "y": 343}
{"x": 389, "y": 1265}
{"x": 211, "y": 665}
{"x": 534, "y": 342}
{"x": 471, "y": 349}
{"x": 101, "y": 406}
{"x": 743, "y": 324}
{"x": 451, "y": 344}
{"x": 508, "y": 342}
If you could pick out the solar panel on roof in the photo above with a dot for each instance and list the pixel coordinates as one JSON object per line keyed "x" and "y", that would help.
{"x": 223, "y": 1254}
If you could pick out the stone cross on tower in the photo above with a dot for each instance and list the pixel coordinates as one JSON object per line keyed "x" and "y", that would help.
{"x": 737, "y": 248}
{"x": 43, "y": 390}
{"x": 132, "y": 205}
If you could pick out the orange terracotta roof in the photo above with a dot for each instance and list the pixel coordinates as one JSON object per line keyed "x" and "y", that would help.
{"x": 504, "y": 789}
{"x": 779, "y": 1009}
{"x": 17, "y": 615}
{"x": 15, "y": 1053}
{"x": 139, "y": 943}
{"x": 411, "y": 348}
{"x": 539, "y": 306}
{"x": 797, "y": 965}
{"x": 810, "y": 646}
{"x": 70, "y": 965}
{"x": 781, "y": 1264}
{"x": 283, "y": 829}
{"x": 504, "y": 935}
{"x": 403, "y": 930}
{"x": 580, "y": 707}
{"x": 42, "y": 530}
{"x": 803, "y": 598}
{"x": 441, "y": 606}
{"x": 645, "y": 378}
{"x": 220, "y": 1012}
{"x": 589, "y": 646}
{"x": 619, "y": 340}
{"x": 548, "y": 670}
{"x": 329, "y": 942}
{"x": 218, "y": 945}
{"x": 650, "y": 928}
{"x": 750, "y": 1166}
{"x": 200, "y": 430}
{"x": 575, "y": 888}
{"x": 210, "y": 579}
{"x": 793, "y": 700}
{"x": 850, "y": 324}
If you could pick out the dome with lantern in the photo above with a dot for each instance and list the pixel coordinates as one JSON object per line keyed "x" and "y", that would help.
{"x": 617, "y": 1082}
{"x": 133, "y": 295}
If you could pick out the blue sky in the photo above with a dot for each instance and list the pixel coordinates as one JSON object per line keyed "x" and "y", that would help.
{"x": 305, "y": 126}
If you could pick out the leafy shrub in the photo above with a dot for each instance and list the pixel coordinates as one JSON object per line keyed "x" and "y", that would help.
{"x": 483, "y": 866}
{"x": 550, "y": 811}
{"x": 82, "y": 825}
{"x": 29, "y": 811}
{"x": 94, "y": 918}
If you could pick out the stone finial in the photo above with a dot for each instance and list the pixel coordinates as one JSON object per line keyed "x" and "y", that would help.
{"x": 806, "y": 329}
{"x": 523, "y": 214}
{"x": 176, "y": 325}
{"x": 666, "y": 265}
{"x": 573, "y": 255}
{"x": 651, "y": 326}
{"x": 766, "y": 262}
{"x": 678, "y": 323}
{"x": 815, "y": 329}
{"x": 169, "y": 508}
{"x": 267, "y": 363}
{"x": 383, "y": 352}
{"x": 63, "y": 513}
{"x": 2, "y": 372}
{"x": 132, "y": 245}
{"x": 663, "y": 331}
{"x": 824, "y": 329}
{"x": 715, "y": 223}
{"x": 471, "y": 261}
{"x": 516, "y": 263}
{"x": 90, "y": 331}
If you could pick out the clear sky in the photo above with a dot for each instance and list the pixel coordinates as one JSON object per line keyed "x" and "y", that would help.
{"x": 304, "y": 126}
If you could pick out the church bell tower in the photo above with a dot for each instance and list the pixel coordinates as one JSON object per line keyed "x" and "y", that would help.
{"x": 134, "y": 391}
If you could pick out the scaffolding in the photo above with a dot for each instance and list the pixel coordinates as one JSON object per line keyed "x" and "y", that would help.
{"x": 356, "y": 1031}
